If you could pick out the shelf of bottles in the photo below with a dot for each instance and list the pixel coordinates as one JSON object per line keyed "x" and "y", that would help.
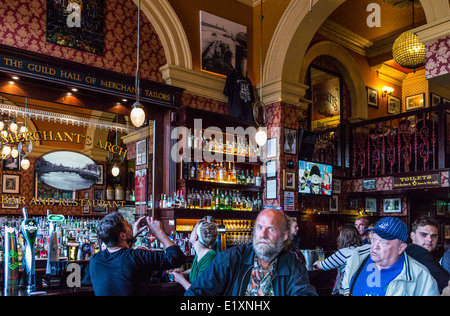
{"x": 71, "y": 231}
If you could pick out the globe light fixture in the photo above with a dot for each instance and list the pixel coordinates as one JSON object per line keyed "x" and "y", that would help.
{"x": 261, "y": 136}
{"x": 14, "y": 152}
{"x": 115, "y": 171}
{"x": 25, "y": 163}
{"x": 137, "y": 115}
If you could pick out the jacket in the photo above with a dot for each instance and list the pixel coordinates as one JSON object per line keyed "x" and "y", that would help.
{"x": 413, "y": 280}
{"x": 229, "y": 275}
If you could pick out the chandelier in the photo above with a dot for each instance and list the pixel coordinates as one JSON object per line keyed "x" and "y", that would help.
{"x": 407, "y": 50}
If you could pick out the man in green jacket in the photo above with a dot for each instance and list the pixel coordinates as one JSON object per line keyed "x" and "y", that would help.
{"x": 385, "y": 269}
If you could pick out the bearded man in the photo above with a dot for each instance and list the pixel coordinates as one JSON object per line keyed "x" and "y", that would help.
{"x": 262, "y": 268}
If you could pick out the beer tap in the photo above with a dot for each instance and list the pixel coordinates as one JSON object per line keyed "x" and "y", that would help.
{"x": 11, "y": 263}
{"x": 29, "y": 229}
{"x": 53, "y": 247}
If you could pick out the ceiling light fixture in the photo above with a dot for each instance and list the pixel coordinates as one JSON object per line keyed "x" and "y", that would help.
{"x": 137, "y": 115}
{"x": 407, "y": 50}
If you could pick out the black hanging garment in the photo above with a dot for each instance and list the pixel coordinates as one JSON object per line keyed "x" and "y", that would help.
{"x": 239, "y": 90}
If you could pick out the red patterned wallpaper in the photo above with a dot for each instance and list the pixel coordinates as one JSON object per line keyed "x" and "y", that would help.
{"x": 23, "y": 25}
{"x": 437, "y": 54}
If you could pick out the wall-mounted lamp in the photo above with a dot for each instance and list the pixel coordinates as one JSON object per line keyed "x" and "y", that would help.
{"x": 387, "y": 91}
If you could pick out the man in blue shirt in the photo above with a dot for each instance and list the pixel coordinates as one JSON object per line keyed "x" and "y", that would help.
{"x": 386, "y": 270}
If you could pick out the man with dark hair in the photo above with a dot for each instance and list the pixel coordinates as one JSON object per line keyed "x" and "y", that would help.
{"x": 361, "y": 224}
{"x": 263, "y": 268}
{"x": 122, "y": 271}
{"x": 424, "y": 236}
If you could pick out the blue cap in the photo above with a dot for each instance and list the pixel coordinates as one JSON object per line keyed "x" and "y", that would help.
{"x": 391, "y": 228}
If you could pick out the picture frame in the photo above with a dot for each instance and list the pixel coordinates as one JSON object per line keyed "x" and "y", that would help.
{"x": 371, "y": 205}
{"x": 353, "y": 203}
{"x": 336, "y": 186}
{"x": 441, "y": 207}
{"x": 271, "y": 169}
{"x": 11, "y": 183}
{"x": 271, "y": 148}
{"x": 372, "y": 97}
{"x": 141, "y": 152}
{"x": 223, "y": 45}
{"x": 445, "y": 100}
{"x": 12, "y": 203}
{"x": 44, "y": 191}
{"x": 11, "y": 164}
{"x": 289, "y": 141}
{"x": 100, "y": 210}
{"x": 392, "y": 205}
{"x": 394, "y": 105}
{"x": 415, "y": 102}
{"x": 98, "y": 194}
{"x": 86, "y": 209}
{"x": 368, "y": 184}
{"x": 271, "y": 189}
{"x": 101, "y": 177}
{"x": 435, "y": 99}
{"x": 334, "y": 203}
{"x": 288, "y": 180}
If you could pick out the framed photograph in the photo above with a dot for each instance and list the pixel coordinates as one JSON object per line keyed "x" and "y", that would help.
{"x": 11, "y": 164}
{"x": 98, "y": 194}
{"x": 271, "y": 148}
{"x": 372, "y": 97}
{"x": 101, "y": 176}
{"x": 394, "y": 105}
{"x": 44, "y": 191}
{"x": 435, "y": 99}
{"x": 371, "y": 205}
{"x": 288, "y": 180}
{"x": 86, "y": 209}
{"x": 353, "y": 203}
{"x": 11, "y": 183}
{"x": 11, "y": 203}
{"x": 334, "y": 203}
{"x": 336, "y": 185}
{"x": 368, "y": 184}
{"x": 141, "y": 152}
{"x": 392, "y": 205}
{"x": 441, "y": 207}
{"x": 271, "y": 189}
{"x": 140, "y": 184}
{"x": 290, "y": 141}
{"x": 271, "y": 169}
{"x": 100, "y": 210}
{"x": 415, "y": 102}
{"x": 223, "y": 44}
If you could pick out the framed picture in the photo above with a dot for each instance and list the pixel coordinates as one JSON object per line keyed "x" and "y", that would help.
{"x": 223, "y": 44}
{"x": 271, "y": 169}
{"x": 372, "y": 97}
{"x": 271, "y": 148}
{"x": 140, "y": 184}
{"x": 101, "y": 176}
{"x": 394, "y": 105}
{"x": 290, "y": 141}
{"x": 141, "y": 152}
{"x": 44, "y": 191}
{"x": 288, "y": 180}
{"x": 334, "y": 203}
{"x": 98, "y": 194}
{"x": 271, "y": 189}
{"x": 368, "y": 184}
{"x": 336, "y": 185}
{"x": 371, "y": 205}
{"x": 11, "y": 203}
{"x": 11, "y": 183}
{"x": 435, "y": 99}
{"x": 415, "y": 102}
{"x": 392, "y": 205}
{"x": 353, "y": 203}
{"x": 445, "y": 100}
{"x": 441, "y": 207}
{"x": 100, "y": 210}
{"x": 11, "y": 164}
{"x": 86, "y": 209}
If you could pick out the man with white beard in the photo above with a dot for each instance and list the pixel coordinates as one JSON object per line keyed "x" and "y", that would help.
{"x": 262, "y": 268}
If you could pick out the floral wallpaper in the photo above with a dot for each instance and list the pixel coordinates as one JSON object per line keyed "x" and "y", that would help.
{"x": 437, "y": 55}
{"x": 23, "y": 25}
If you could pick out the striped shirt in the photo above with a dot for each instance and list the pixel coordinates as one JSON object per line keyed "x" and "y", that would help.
{"x": 338, "y": 261}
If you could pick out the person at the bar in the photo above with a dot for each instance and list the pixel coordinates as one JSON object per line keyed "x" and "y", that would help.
{"x": 203, "y": 238}
{"x": 387, "y": 270}
{"x": 262, "y": 268}
{"x": 424, "y": 236}
{"x": 121, "y": 271}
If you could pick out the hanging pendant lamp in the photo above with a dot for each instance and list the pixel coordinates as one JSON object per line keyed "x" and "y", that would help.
{"x": 407, "y": 50}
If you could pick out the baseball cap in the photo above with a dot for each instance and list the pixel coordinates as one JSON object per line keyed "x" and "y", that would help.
{"x": 390, "y": 228}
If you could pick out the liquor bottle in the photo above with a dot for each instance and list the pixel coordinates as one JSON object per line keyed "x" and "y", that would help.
{"x": 217, "y": 203}
{"x": 196, "y": 140}
{"x": 225, "y": 200}
{"x": 193, "y": 170}
{"x": 258, "y": 179}
{"x": 221, "y": 171}
{"x": 243, "y": 178}
{"x": 190, "y": 140}
{"x": 221, "y": 201}
{"x": 248, "y": 179}
{"x": 233, "y": 174}
{"x": 213, "y": 201}
{"x": 252, "y": 178}
{"x": 183, "y": 203}
{"x": 230, "y": 200}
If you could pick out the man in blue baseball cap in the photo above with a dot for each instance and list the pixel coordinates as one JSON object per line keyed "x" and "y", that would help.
{"x": 385, "y": 269}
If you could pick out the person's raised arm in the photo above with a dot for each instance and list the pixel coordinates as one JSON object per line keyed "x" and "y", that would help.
{"x": 157, "y": 230}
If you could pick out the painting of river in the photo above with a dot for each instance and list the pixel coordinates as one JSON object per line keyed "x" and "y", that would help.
{"x": 67, "y": 170}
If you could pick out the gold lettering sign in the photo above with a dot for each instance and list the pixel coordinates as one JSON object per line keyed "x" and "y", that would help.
{"x": 417, "y": 181}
